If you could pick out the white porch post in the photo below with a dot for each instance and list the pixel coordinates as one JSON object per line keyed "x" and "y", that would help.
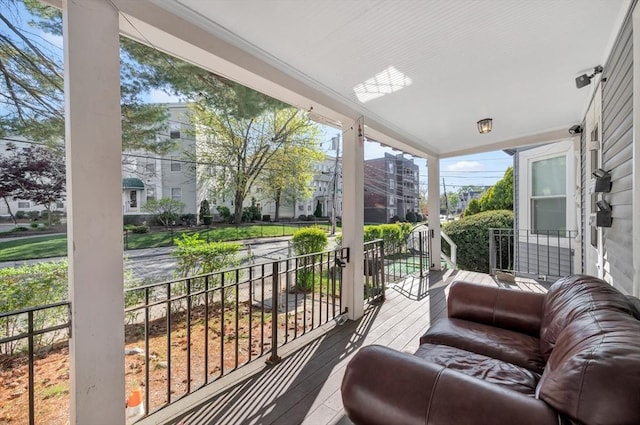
{"x": 636, "y": 152}
{"x": 353, "y": 218}
{"x": 433, "y": 203}
{"x": 94, "y": 190}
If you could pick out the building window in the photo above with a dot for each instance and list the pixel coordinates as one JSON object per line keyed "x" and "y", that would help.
{"x": 549, "y": 194}
{"x": 150, "y": 166}
{"x": 300, "y": 207}
{"x": 391, "y": 167}
{"x": 392, "y": 200}
{"x": 392, "y": 184}
{"x": 151, "y": 193}
{"x": 174, "y": 131}
{"x": 176, "y": 193}
{"x": 59, "y": 205}
{"x": 24, "y": 204}
{"x": 176, "y": 165}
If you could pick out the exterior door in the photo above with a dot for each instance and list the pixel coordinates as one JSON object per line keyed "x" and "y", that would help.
{"x": 592, "y": 138}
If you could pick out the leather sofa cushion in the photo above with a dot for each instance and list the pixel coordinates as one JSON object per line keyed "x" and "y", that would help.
{"x": 593, "y": 372}
{"x": 491, "y": 370}
{"x": 571, "y": 297}
{"x": 502, "y": 344}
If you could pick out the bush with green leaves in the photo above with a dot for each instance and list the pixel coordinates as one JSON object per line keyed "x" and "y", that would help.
{"x": 195, "y": 256}
{"x": 471, "y": 235}
{"x": 309, "y": 240}
{"x": 205, "y": 213}
{"x": 165, "y": 210}
{"x": 31, "y": 285}
{"x": 224, "y": 212}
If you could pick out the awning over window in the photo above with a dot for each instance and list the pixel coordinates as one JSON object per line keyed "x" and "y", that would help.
{"x": 132, "y": 183}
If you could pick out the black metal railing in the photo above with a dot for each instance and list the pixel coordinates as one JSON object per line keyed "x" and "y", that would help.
{"x": 374, "y": 271}
{"x": 408, "y": 257}
{"x": 185, "y": 333}
{"x": 197, "y": 329}
{"x": 545, "y": 255}
{"x": 25, "y": 337}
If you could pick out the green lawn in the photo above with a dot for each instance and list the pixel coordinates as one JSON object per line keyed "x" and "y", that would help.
{"x": 56, "y": 246}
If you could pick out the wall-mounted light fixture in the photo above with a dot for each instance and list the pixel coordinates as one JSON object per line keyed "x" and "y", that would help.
{"x": 485, "y": 125}
{"x": 575, "y": 129}
{"x": 603, "y": 180}
{"x": 585, "y": 80}
{"x": 603, "y": 216}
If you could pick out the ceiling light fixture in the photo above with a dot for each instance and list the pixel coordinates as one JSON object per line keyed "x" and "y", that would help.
{"x": 485, "y": 125}
{"x": 585, "y": 80}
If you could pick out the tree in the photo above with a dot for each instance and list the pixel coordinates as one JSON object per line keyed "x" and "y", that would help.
{"x": 33, "y": 173}
{"x": 500, "y": 195}
{"x": 31, "y": 84}
{"x": 290, "y": 180}
{"x": 205, "y": 212}
{"x": 242, "y": 147}
{"x": 165, "y": 210}
{"x": 318, "y": 210}
{"x": 472, "y": 208}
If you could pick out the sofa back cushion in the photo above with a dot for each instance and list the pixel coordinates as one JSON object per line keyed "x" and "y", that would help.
{"x": 593, "y": 372}
{"x": 570, "y": 298}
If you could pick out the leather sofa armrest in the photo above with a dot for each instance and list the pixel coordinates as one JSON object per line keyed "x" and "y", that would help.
{"x": 512, "y": 309}
{"x": 382, "y": 386}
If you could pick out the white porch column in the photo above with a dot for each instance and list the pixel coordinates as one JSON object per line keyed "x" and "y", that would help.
{"x": 94, "y": 190}
{"x": 636, "y": 152}
{"x": 353, "y": 218}
{"x": 433, "y": 203}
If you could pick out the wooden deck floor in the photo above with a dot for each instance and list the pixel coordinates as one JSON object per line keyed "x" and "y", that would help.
{"x": 304, "y": 388}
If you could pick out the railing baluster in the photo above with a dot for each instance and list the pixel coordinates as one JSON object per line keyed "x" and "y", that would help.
{"x": 206, "y": 329}
{"x": 250, "y": 312}
{"x": 237, "y": 338}
{"x": 222, "y": 314}
{"x": 31, "y": 368}
{"x": 147, "y": 379}
{"x": 274, "y": 358}
{"x": 189, "y": 335}
{"x": 168, "y": 399}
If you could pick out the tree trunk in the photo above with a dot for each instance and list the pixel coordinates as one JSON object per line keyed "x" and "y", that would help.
{"x": 237, "y": 212}
{"x": 13, "y": 218}
{"x": 277, "y": 199}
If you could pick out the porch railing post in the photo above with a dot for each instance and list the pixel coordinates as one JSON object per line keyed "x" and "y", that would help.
{"x": 420, "y": 253}
{"x": 274, "y": 358}
{"x": 492, "y": 254}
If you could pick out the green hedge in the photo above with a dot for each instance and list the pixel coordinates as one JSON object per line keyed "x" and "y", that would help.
{"x": 471, "y": 235}
{"x": 309, "y": 240}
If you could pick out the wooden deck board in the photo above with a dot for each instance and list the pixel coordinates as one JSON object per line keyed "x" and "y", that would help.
{"x": 305, "y": 386}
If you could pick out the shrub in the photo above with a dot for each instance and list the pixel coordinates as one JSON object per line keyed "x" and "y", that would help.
{"x": 19, "y": 229}
{"x": 411, "y": 217}
{"x": 471, "y": 235}
{"x": 197, "y": 256}
{"x": 140, "y": 229}
{"x": 188, "y": 219}
{"x": 34, "y": 225}
{"x": 311, "y": 217}
{"x": 266, "y": 217}
{"x": 29, "y": 286}
{"x": 318, "y": 211}
{"x": 302, "y": 217}
{"x": 205, "y": 212}
{"x": 21, "y": 214}
{"x": 308, "y": 241}
{"x": 396, "y": 219}
{"x": 224, "y": 212}
{"x": 33, "y": 215}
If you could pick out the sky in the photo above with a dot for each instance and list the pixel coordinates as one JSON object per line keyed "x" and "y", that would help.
{"x": 483, "y": 169}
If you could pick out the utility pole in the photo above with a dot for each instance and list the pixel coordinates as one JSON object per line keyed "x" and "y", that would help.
{"x": 446, "y": 198}
{"x": 335, "y": 185}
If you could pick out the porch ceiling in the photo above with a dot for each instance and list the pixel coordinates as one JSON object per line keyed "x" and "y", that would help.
{"x": 513, "y": 61}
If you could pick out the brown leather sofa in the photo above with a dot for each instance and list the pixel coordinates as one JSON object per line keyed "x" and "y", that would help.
{"x": 506, "y": 356}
